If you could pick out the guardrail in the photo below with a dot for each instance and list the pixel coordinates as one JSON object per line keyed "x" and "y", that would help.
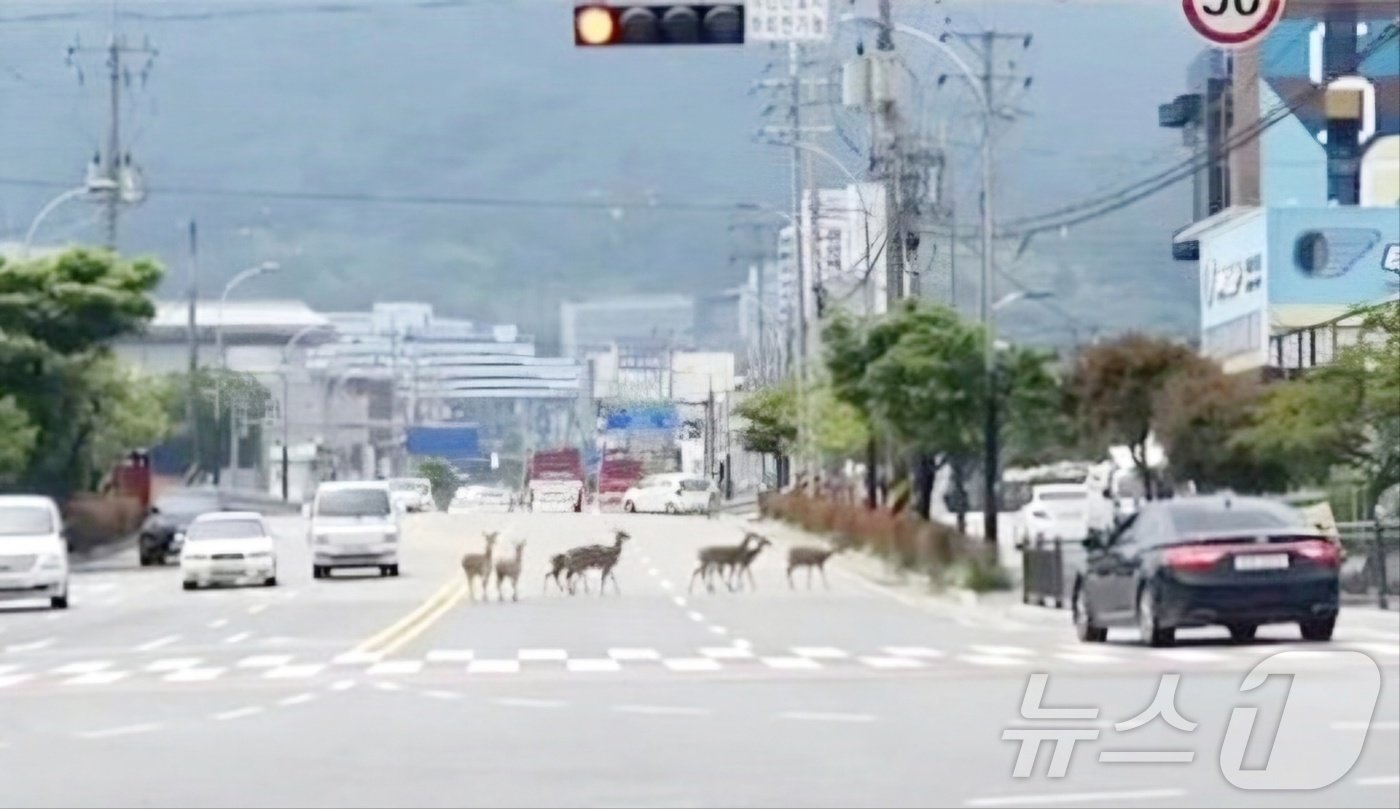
{"x": 1371, "y": 566}
{"x": 260, "y": 502}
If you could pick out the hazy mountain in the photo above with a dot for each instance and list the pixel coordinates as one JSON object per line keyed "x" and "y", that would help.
{"x": 488, "y": 99}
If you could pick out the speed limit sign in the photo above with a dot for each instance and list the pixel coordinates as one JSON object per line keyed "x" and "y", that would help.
{"x": 1232, "y": 23}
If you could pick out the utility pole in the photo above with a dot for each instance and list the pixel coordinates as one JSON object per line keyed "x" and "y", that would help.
{"x": 192, "y": 386}
{"x": 795, "y": 80}
{"x": 888, "y": 160}
{"x": 123, "y": 185}
{"x": 985, "y": 44}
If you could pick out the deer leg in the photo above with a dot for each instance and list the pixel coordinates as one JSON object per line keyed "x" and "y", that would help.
{"x": 791, "y": 586}
{"x": 809, "y": 577}
{"x": 617, "y": 588}
{"x": 825, "y": 583}
{"x": 752, "y": 584}
{"x": 693, "y": 576}
{"x": 500, "y": 591}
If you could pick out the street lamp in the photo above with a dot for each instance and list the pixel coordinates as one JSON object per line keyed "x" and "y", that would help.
{"x": 252, "y": 272}
{"x": 96, "y": 185}
{"x": 287, "y": 396}
{"x": 991, "y": 445}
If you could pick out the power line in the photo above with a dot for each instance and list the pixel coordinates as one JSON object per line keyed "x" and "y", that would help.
{"x": 443, "y": 200}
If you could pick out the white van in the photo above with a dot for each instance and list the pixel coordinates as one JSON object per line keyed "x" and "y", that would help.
{"x": 354, "y": 524}
{"x": 33, "y": 551}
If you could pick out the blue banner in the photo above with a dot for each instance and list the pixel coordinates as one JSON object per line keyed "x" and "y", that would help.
{"x": 457, "y": 443}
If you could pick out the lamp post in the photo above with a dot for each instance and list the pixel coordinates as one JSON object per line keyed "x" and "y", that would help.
{"x": 287, "y": 397}
{"x": 252, "y": 272}
{"x": 991, "y": 457}
{"x": 97, "y": 185}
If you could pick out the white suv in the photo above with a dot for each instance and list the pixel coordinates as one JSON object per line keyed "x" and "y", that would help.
{"x": 33, "y": 551}
{"x": 354, "y": 524}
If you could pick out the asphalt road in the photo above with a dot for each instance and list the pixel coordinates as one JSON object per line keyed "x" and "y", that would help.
{"x": 361, "y": 691}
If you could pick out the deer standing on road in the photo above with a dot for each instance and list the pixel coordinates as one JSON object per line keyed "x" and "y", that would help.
{"x": 603, "y": 557}
{"x": 509, "y": 570}
{"x": 744, "y": 563}
{"x": 718, "y": 559}
{"x": 809, "y": 557}
{"x": 478, "y": 566}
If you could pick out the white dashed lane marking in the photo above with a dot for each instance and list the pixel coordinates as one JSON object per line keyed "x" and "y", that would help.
{"x": 450, "y": 656}
{"x": 597, "y": 665}
{"x": 815, "y": 716}
{"x": 98, "y": 678}
{"x": 296, "y": 699}
{"x": 86, "y": 667}
{"x": 820, "y": 652}
{"x": 264, "y": 661}
{"x": 790, "y": 663}
{"x": 692, "y": 664}
{"x": 522, "y": 702}
{"x": 193, "y": 675}
{"x": 126, "y": 730}
{"x": 238, "y": 713}
{"x": 152, "y": 645}
{"x": 396, "y": 667}
{"x": 634, "y": 654}
{"x": 493, "y": 667}
{"x": 541, "y": 655}
{"x": 295, "y": 672}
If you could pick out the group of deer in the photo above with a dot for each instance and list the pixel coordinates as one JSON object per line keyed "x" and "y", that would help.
{"x": 732, "y": 563}
{"x": 573, "y": 565}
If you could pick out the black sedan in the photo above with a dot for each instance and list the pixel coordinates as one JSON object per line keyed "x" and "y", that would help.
{"x": 1222, "y": 560}
{"x": 170, "y": 516}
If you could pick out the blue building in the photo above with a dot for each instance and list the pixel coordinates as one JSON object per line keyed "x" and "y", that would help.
{"x": 1297, "y": 198}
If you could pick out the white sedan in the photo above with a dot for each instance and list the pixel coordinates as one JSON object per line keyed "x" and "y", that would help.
{"x": 228, "y": 547}
{"x": 674, "y": 493}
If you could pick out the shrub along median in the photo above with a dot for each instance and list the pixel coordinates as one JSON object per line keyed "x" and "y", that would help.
{"x": 903, "y": 539}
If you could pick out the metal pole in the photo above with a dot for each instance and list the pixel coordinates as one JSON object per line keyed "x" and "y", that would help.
{"x": 794, "y": 67}
{"x": 192, "y": 385}
{"x": 112, "y": 160}
{"x": 286, "y": 430}
{"x": 990, "y": 461}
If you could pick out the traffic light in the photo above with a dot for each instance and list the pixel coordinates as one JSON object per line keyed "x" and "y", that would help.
{"x": 601, "y": 25}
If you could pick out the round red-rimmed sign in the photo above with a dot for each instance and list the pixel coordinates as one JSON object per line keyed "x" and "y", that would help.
{"x": 1232, "y": 23}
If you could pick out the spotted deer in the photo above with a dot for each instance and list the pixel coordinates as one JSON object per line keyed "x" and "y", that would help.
{"x": 717, "y": 559}
{"x": 478, "y": 566}
{"x": 602, "y": 557}
{"x": 809, "y": 557}
{"x": 558, "y": 563}
{"x": 742, "y": 567}
{"x": 509, "y": 570}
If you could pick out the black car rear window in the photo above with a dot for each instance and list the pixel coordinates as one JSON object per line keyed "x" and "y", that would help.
{"x": 1217, "y": 518}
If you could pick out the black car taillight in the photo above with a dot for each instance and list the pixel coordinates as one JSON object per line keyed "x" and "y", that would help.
{"x": 1194, "y": 557}
{"x": 1321, "y": 551}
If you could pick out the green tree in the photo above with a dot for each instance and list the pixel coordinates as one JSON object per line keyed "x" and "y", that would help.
{"x": 1346, "y": 414}
{"x": 1116, "y": 385}
{"x": 839, "y": 429}
{"x": 1197, "y": 416}
{"x": 770, "y": 419}
{"x": 442, "y": 477}
{"x": 17, "y": 438}
{"x": 58, "y": 316}
{"x": 236, "y": 390}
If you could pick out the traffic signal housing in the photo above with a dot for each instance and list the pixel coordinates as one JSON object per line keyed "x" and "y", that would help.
{"x": 601, "y": 25}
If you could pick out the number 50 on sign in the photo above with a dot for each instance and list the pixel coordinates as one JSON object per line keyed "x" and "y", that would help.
{"x": 1232, "y": 23}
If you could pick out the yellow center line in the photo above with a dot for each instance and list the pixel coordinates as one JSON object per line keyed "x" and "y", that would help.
{"x": 375, "y": 641}
{"x": 426, "y": 620}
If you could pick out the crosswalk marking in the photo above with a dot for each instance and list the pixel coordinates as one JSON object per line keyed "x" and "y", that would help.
{"x": 726, "y": 653}
{"x": 264, "y": 661}
{"x": 173, "y": 664}
{"x": 450, "y": 656}
{"x": 1187, "y": 655}
{"x": 819, "y": 652}
{"x": 193, "y": 675}
{"x": 634, "y": 654}
{"x": 991, "y": 660}
{"x": 540, "y": 655}
{"x": 493, "y": 667}
{"x": 790, "y": 663}
{"x": 1001, "y": 651}
{"x": 85, "y": 667}
{"x": 691, "y": 664}
{"x": 98, "y": 678}
{"x": 593, "y": 665}
{"x": 295, "y": 672}
{"x": 892, "y": 662}
{"x": 912, "y": 651}
{"x": 393, "y": 667}
{"x": 357, "y": 658}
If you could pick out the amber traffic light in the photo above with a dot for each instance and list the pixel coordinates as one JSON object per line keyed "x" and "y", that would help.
{"x": 601, "y": 25}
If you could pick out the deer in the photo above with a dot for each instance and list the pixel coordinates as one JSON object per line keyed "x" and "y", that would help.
{"x": 558, "y": 563}
{"x": 509, "y": 569}
{"x": 478, "y": 566}
{"x": 718, "y": 558}
{"x": 809, "y": 557}
{"x": 580, "y": 560}
{"x": 742, "y": 565}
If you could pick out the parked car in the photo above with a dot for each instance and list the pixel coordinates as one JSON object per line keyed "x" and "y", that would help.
{"x": 228, "y": 547}
{"x": 170, "y": 516}
{"x": 1057, "y": 511}
{"x": 414, "y": 494}
{"x": 1239, "y": 562}
{"x": 673, "y": 493}
{"x": 354, "y": 524}
{"x": 33, "y": 550}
